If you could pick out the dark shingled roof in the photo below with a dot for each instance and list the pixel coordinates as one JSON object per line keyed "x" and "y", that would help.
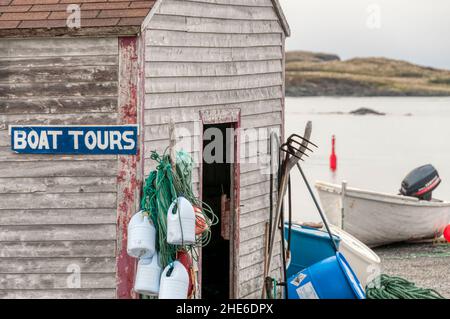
{"x": 49, "y": 17}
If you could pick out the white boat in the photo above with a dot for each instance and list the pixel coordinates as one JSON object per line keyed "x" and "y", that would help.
{"x": 377, "y": 219}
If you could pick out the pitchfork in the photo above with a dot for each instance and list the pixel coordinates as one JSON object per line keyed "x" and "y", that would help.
{"x": 295, "y": 149}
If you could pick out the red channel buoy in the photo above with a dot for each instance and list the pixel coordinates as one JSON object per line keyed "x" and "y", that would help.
{"x": 447, "y": 233}
{"x": 333, "y": 157}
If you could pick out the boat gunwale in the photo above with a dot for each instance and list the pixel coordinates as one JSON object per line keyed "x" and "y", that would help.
{"x": 378, "y": 196}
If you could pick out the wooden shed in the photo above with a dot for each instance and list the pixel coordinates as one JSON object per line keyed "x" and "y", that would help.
{"x": 197, "y": 64}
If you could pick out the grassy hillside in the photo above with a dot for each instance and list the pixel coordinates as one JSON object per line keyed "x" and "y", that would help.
{"x": 319, "y": 74}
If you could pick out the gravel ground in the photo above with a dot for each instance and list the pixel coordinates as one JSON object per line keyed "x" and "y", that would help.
{"x": 427, "y": 265}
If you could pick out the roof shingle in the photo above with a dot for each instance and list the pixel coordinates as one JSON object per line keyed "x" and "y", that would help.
{"x": 46, "y": 15}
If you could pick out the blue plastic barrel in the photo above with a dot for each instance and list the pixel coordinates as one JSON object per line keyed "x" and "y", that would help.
{"x": 308, "y": 246}
{"x": 331, "y": 278}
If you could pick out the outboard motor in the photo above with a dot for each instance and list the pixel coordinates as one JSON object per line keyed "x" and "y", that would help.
{"x": 421, "y": 183}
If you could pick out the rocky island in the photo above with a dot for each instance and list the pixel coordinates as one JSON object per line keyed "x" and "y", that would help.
{"x": 321, "y": 74}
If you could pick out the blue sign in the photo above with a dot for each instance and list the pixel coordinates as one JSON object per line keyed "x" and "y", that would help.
{"x": 75, "y": 140}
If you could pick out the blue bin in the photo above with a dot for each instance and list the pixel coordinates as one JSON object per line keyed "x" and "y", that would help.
{"x": 331, "y": 278}
{"x": 308, "y": 246}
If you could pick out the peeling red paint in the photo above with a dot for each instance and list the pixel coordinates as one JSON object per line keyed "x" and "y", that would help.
{"x": 121, "y": 177}
{"x": 128, "y": 188}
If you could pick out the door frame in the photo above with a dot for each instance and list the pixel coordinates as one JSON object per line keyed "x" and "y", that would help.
{"x": 232, "y": 117}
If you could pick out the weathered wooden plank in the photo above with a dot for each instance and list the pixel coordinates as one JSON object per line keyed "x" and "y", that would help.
{"x": 7, "y": 155}
{"x": 253, "y": 295}
{"x": 256, "y": 257}
{"x": 256, "y": 149}
{"x": 186, "y": 144}
{"x": 57, "y": 185}
{"x": 56, "y": 281}
{"x": 58, "y": 294}
{"x": 262, "y": 120}
{"x": 255, "y": 177}
{"x": 47, "y": 249}
{"x": 250, "y": 246}
{"x": 210, "y": 69}
{"x": 66, "y": 200}
{"x": 58, "y": 169}
{"x": 59, "y": 119}
{"x": 63, "y": 89}
{"x": 211, "y": 10}
{"x": 255, "y": 204}
{"x": 57, "y": 265}
{"x": 255, "y": 217}
{"x": 57, "y": 232}
{"x": 160, "y": 131}
{"x": 5, "y": 138}
{"x": 211, "y": 83}
{"x": 12, "y": 63}
{"x": 199, "y": 24}
{"x": 64, "y": 216}
{"x": 195, "y": 54}
{"x": 177, "y": 115}
{"x": 59, "y": 74}
{"x": 71, "y": 105}
{"x": 211, "y": 40}
{"x": 257, "y": 163}
{"x": 256, "y": 190}
{"x": 160, "y": 146}
{"x": 57, "y": 47}
{"x": 255, "y": 284}
{"x": 253, "y": 231}
{"x": 166, "y": 100}
{"x": 256, "y": 270}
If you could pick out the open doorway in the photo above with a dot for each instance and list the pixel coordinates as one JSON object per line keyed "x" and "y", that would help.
{"x": 217, "y": 192}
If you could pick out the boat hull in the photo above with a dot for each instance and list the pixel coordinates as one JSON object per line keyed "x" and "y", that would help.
{"x": 378, "y": 219}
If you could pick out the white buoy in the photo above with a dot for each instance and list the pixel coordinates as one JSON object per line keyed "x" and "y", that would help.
{"x": 148, "y": 276}
{"x": 141, "y": 236}
{"x": 181, "y": 223}
{"x": 174, "y": 282}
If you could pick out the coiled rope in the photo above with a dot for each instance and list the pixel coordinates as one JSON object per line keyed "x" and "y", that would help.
{"x": 161, "y": 189}
{"x": 386, "y": 287}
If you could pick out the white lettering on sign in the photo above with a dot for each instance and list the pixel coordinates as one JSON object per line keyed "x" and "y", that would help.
{"x": 74, "y": 139}
{"x": 128, "y": 138}
{"x": 75, "y": 135}
{"x": 20, "y": 142}
{"x": 102, "y": 140}
{"x": 115, "y": 140}
{"x": 90, "y": 140}
{"x": 43, "y": 141}
{"x": 54, "y": 135}
{"x": 33, "y": 139}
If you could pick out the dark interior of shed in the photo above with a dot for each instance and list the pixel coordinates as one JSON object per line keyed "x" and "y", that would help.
{"x": 216, "y": 255}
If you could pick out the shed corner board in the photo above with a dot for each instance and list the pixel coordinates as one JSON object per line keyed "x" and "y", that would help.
{"x": 128, "y": 183}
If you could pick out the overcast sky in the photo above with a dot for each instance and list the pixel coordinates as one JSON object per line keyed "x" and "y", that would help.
{"x": 413, "y": 30}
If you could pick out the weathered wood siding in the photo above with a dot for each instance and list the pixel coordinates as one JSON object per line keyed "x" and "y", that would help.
{"x": 57, "y": 213}
{"x": 221, "y": 54}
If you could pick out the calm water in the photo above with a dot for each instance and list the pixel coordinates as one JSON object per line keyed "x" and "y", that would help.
{"x": 374, "y": 152}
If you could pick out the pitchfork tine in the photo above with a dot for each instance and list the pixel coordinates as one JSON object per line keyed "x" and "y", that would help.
{"x": 290, "y": 141}
{"x": 286, "y": 148}
{"x": 302, "y": 138}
